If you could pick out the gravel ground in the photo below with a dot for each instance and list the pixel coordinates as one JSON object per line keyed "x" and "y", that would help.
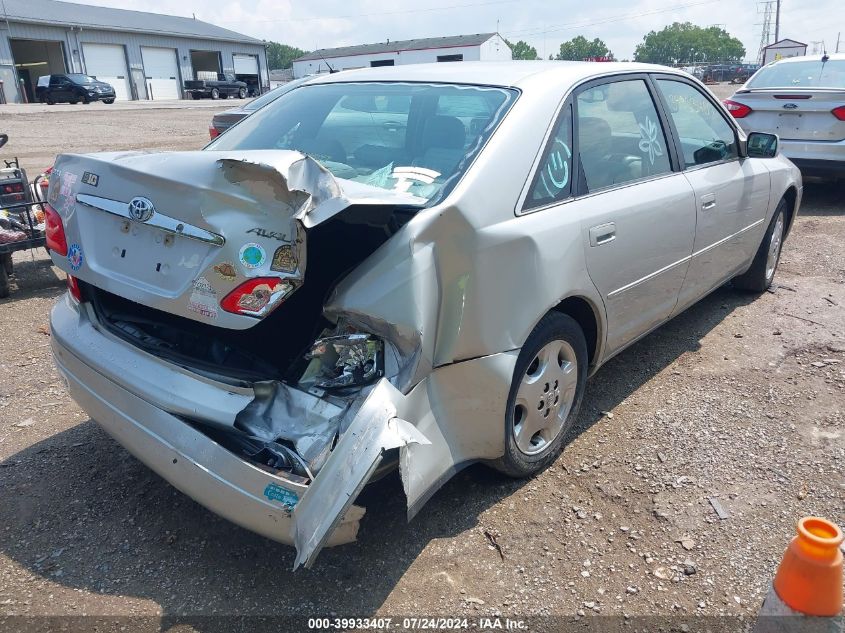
{"x": 739, "y": 401}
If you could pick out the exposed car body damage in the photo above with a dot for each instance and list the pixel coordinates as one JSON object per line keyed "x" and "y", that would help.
{"x": 269, "y": 329}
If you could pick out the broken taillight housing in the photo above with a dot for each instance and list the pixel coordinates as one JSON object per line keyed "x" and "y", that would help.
{"x": 737, "y": 110}
{"x": 73, "y": 288}
{"x": 257, "y": 296}
{"x": 55, "y": 231}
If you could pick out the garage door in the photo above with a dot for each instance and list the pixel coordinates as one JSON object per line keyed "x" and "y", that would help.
{"x": 107, "y": 62}
{"x": 246, "y": 64}
{"x": 161, "y": 72}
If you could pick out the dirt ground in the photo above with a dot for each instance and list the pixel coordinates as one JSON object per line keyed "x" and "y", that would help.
{"x": 739, "y": 401}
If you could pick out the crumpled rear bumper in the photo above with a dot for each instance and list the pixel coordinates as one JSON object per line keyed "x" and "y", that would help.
{"x": 190, "y": 461}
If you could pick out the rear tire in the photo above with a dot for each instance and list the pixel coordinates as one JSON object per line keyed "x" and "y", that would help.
{"x": 545, "y": 395}
{"x": 108, "y": 100}
{"x": 8, "y": 264}
{"x": 50, "y": 100}
{"x": 241, "y": 94}
{"x": 759, "y": 277}
{"x": 194, "y": 95}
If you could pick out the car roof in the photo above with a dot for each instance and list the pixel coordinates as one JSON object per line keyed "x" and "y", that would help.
{"x": 503, "y": 74}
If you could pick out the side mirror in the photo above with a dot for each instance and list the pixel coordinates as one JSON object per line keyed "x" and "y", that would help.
{"x": 762, "y": 145}
{"x": 4, "y": 138}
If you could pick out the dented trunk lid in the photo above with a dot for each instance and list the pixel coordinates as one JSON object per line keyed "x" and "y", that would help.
{"x": 180, "y": 231}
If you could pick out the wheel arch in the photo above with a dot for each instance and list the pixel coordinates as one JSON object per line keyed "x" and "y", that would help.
{"x": 791, "y": 197}
{"x": 588, "y": 317}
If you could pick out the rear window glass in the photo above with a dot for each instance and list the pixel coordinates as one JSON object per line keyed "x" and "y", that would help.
{"x": 410, "y": 137}
{"x": 809, "y": 74}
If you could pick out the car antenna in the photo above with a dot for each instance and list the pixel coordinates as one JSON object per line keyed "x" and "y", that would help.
{"x": 331, "y": 70}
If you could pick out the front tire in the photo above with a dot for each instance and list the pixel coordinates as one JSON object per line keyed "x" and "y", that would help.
{"x": 241, "y": 94}
{"x": 546, "y": 392}
{"x": 215, "y": 93}
{"x": 759, "y": 277}
{"x": 108, "y": 100}
{"x": 5, "y": 286}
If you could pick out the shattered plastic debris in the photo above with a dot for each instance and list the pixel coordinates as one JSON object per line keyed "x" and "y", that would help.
{"x": 345, "y": 361}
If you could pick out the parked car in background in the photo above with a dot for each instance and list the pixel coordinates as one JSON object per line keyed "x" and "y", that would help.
{"x": 222, "y": 121}
{"x": 414, "y": 266}
{"x": 224, "y": 86}
{"x": 73, "y": 88}
{"x": 802, "y": 100}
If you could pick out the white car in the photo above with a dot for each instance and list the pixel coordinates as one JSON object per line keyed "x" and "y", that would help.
{"x": 802, "y": 100}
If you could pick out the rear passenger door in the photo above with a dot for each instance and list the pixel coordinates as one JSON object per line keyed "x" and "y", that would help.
{"x": 637, "y": 210}
{"x": 732, "y": 192}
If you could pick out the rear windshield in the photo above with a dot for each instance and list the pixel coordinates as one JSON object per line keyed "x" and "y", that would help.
{"x": 410, "y": 137}
{"x": 808, "y": 74}
{"x": 264, "y": 99}
{"x": 82, "y": 79}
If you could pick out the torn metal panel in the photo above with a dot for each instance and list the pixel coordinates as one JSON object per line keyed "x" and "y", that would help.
{"x": 279, "y": 412}
{"x": 460, "y": 410}
{"x": 374, "y": 430}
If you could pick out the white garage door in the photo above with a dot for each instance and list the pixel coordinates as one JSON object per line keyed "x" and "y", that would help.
{"x": 161, "y": 72}
{"x": 107, "y": 62}
{"x": 246, "y": 64}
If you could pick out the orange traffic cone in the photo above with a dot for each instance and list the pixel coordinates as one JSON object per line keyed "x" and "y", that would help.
{"x": 809, "y": 579}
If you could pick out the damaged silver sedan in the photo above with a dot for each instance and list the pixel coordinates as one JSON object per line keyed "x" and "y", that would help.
{"x": 413, "y": 267}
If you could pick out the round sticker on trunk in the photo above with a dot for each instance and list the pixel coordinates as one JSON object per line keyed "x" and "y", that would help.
{"x": 252, "y": 255}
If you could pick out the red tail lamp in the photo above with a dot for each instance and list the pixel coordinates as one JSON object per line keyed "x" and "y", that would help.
{"x": 55, "y": 231}
{"x": 738, "y": 110}
{"x": 73, "y": 288}
{"x": 256, "y": 296}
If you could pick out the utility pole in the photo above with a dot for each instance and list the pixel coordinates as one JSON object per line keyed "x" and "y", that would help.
{"x": 838, "y": 35}
{"x": 777, "y": 22}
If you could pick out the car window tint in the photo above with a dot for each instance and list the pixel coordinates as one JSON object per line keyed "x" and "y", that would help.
{"x": 804, "y": 74}
{"x": 620, "y": 137}
{"x": 705, "y": 135}
{"x": 553, "y": 179}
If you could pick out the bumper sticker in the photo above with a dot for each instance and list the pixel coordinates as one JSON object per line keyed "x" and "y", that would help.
{"x": 274, "y": 492}
{"x": 226, "y": 270}
{"x": 75, "y": 257}
{"x": 252, "y": 255}
{"x": 203, "y": 299}
{"x": 284, "y": 259}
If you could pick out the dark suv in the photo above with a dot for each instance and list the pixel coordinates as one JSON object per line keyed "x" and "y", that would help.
{"x": 73, "y": 88}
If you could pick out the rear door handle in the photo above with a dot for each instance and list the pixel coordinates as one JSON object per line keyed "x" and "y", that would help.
{"x": 602, "y": 234}
{"x": 708, "y": 202}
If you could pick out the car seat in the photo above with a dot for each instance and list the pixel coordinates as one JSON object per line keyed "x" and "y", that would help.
{"x": 442, "y": 142}
{"x": 603, "y": 167}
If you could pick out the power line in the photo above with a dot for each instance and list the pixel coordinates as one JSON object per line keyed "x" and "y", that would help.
{"x": 628, "y": 16}
{"x": 381, "y": 13}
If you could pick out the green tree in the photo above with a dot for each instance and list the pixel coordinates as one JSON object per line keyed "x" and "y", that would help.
{"x": 281, "y": 55}
{"x": 687, "y": 43}
{"x": 522, "y": 50}
{"x": 579, "y": 48}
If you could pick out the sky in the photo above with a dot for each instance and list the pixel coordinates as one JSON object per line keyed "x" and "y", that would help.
{"x": 542, "y": 23}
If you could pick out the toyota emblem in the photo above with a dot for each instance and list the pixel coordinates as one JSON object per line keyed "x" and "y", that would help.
{"x": 141, "y": 209}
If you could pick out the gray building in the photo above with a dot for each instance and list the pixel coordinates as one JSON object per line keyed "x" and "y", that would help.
{"x": 143, "y": 55}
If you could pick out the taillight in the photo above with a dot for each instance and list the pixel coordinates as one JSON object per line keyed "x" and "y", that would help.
{"x": 15, "y": 187}
{"x": 55, "y": 231}
{"x": 257, "y": 296}
{"x": 738, "y": 110}
{"x": 213, "y": 132}
{"x": 73, "y": 288}
{"x": 839, "y": 112}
